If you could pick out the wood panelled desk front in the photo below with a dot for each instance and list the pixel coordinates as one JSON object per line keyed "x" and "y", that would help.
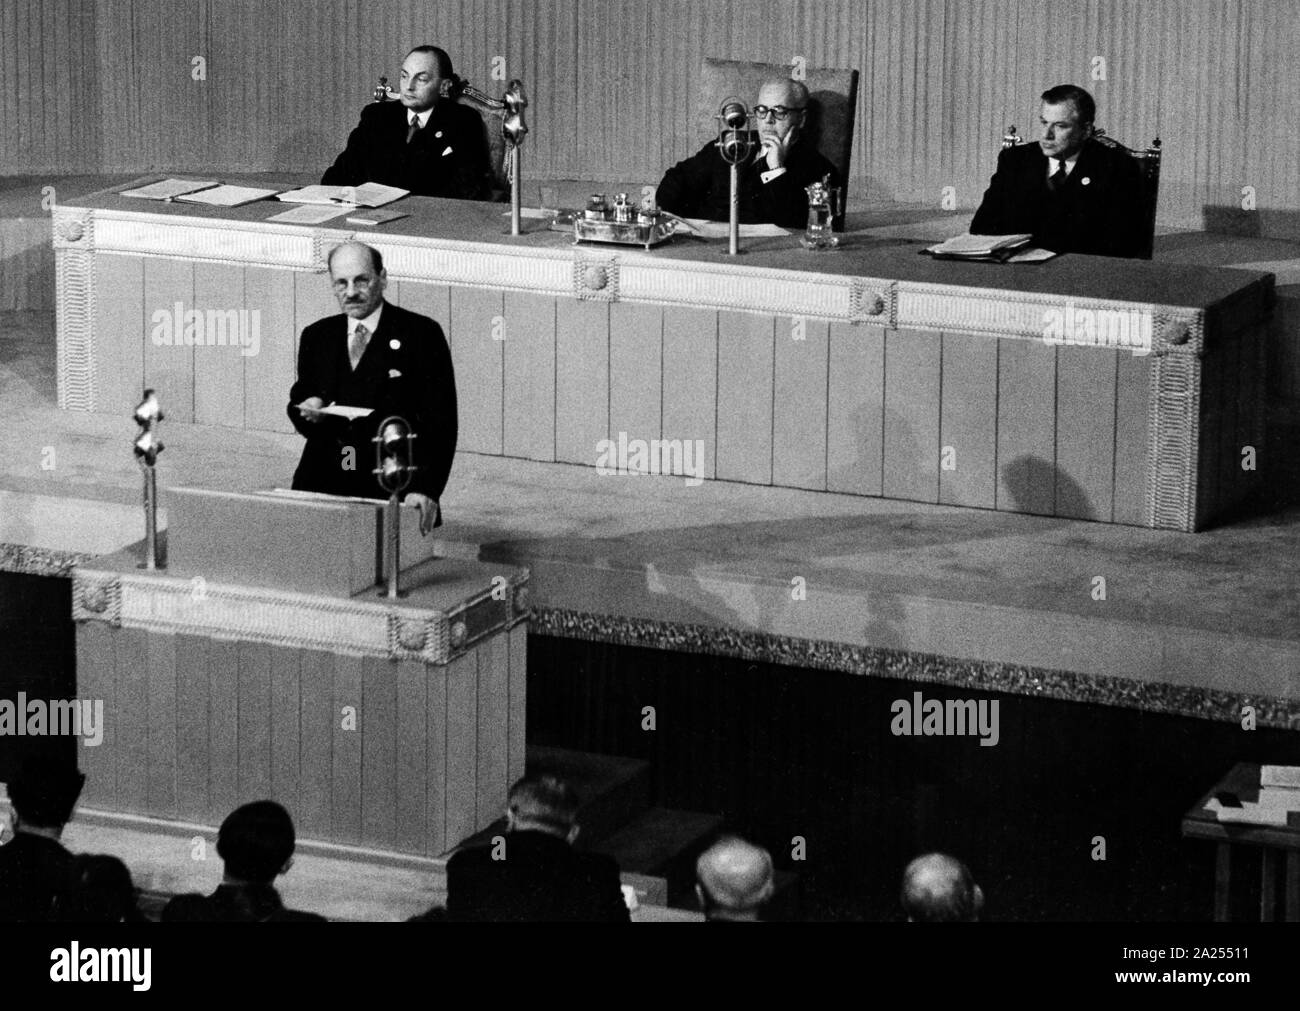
{"x": 397, "y": 727}
{"x": 1112, "y": 390}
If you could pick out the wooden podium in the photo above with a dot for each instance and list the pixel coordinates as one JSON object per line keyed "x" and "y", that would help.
{"x": 395, "y": 726}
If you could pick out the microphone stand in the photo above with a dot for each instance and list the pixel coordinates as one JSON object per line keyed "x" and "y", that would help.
{"x": 733, "y": 235}
{"x": 735, "y": 148}
{"x": 513, "y": 128}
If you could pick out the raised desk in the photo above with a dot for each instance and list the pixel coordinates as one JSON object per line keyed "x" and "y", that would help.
{"x": 868, "y": 371}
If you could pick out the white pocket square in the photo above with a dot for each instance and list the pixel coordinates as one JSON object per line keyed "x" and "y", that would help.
{"x": 446, "y": 152}
{"x": 394, "y": 374}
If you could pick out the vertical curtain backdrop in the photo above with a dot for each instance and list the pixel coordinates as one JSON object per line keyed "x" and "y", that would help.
{"x": 243, "y": 86}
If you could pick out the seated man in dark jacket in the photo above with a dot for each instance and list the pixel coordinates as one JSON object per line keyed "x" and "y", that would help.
{"x": 1071, "y": 192}
{"x": 34, "y": 866}
{"x": 256, "y": 844}
{"x": 772, "y": 180}
{"x": 427, "y": 143}
{"x": 533, "y": 873}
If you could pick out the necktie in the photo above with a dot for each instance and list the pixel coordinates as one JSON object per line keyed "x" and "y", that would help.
{"x": 1058, "y": 177}
{"x": 414, "y": 127}
{"x": 357, "y": 345}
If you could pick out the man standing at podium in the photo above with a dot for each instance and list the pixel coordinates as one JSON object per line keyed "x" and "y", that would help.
{"x": 427, "y": 142}
{"x": 380, "y": 356}
{"x": 1070, "y": 191}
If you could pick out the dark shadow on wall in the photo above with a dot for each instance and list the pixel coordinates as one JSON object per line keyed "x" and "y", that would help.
{"x": 1043, "y": 489}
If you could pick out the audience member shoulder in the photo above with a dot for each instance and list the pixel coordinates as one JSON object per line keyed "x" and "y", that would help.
{"x": 190, "y": 908}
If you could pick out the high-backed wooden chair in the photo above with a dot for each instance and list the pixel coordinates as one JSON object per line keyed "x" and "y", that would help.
{"x": 493, "y": 113}
{"x": 832, "y": 104}
{"x": 1148, "y": 161}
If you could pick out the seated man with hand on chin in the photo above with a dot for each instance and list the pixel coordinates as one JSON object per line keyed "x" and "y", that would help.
{"x": 772, "y": 180}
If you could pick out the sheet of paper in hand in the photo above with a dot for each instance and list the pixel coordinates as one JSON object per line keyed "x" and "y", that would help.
{"x": 341, "y": 411}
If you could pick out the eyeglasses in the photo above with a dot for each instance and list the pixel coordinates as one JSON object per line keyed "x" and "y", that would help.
{"x": 779, "y": 111}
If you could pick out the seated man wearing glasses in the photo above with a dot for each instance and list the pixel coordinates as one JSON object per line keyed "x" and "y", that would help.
{"x": 772, "y": 180}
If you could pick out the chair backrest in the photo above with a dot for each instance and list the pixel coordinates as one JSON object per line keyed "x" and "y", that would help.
{"x": 493, "y": 113}
{"x": 1148, "y": 161}
{"x": 832, "y": 107}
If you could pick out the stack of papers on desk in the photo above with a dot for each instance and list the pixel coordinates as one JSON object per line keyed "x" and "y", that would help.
{"x": 169, "y": 189}
{"x": 226, "y": 195}
{"x": 365, "y": 195}
{"x": 310, "y": 214}
{"x": 990, "y": 248}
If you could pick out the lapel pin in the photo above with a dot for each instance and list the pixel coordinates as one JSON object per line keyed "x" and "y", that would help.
{"x": 1084, "y": 181}
{"x": 394, "y": 344}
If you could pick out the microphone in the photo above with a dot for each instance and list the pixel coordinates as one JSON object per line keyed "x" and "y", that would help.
{"x": 394, "y": 466}
{"x": 734, "y": 113}
{"x": 735, "y": 139}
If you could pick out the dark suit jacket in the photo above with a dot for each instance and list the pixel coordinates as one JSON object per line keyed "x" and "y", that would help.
{"x": 423, "y": 391}
{"x": 377, "y": 152}
{"x": 234, "y": 904}
{"x": 33, "y": 872}
{"x": 541, "y": 879}
{"x": 700, "y": 187}
{"x": 1097, "y": 211}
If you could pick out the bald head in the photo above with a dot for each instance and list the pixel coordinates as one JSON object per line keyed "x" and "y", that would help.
{"x": 735, "y": 879}
{"x": 939, "y": 889}
{"x": 358, "y": 278}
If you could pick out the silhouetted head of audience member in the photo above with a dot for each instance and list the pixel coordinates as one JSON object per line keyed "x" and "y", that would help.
{"x": 256, "y": 843}
{"x": 42, "y": 797}
{"x": 734, "y": 880}
{"x": 938, "y": 888}
{"x": 543, "y": 804}
{"x": 99, "y": 890}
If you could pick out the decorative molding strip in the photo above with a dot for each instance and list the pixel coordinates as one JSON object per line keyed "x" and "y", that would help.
{"x": 73, "y": 230}
{"x": 23, "y": 559}
{"x": 1173, "y": 441}
{"x": 1129, "y": 326}
{"x": 213, "y": 240}
{"x": 722, "y": 286}
{"x": 975, "y": 675}
{"x": 160, "y": 603}
{"x": 74, "y": 316}
{"x": 474, "y": 264}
